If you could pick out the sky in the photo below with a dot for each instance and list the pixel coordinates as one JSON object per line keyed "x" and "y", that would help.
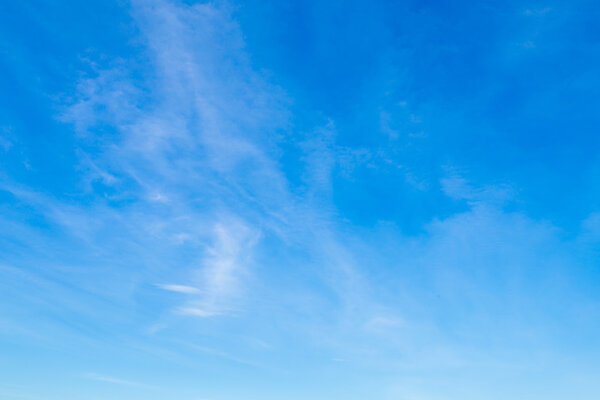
{"x": 261, "y": 200}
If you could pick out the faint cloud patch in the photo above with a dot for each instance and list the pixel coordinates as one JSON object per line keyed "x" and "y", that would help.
{"x": 454, "y": 185}
{"x": 537, "y": 12}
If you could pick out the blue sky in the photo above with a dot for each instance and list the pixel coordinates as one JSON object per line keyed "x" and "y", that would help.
{"x": 299, "y": 200}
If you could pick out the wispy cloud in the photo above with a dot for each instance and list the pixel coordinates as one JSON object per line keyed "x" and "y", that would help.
{"x": 179, "y": 288}
{"x": 210, "y": 138}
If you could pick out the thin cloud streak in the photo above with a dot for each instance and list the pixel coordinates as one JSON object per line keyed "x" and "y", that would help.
{"x": 179, "y": 288}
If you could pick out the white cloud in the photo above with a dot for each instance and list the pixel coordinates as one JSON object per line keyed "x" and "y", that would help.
{"x": 204, "y": 140}
{"x": 179, "y": 288}
{"x": 225, "y": 266}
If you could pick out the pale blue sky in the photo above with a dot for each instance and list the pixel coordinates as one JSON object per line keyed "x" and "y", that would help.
{"x": 299, "y": 200}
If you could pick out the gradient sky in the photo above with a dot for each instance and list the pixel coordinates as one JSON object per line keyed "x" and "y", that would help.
{"x": 293, "y": 200}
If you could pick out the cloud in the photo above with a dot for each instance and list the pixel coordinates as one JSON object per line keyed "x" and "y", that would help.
{"x": 219, "y": 280}
{"x": 456, "y": 186}
{"x": 179, "y": 288}
{"x": 188, "y": 147}
{"x": 227, "y": 260}
{"x": 195, "y": 151}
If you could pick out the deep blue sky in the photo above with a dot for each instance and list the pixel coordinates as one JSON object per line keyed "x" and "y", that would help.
{"x": 299, "y": 200}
